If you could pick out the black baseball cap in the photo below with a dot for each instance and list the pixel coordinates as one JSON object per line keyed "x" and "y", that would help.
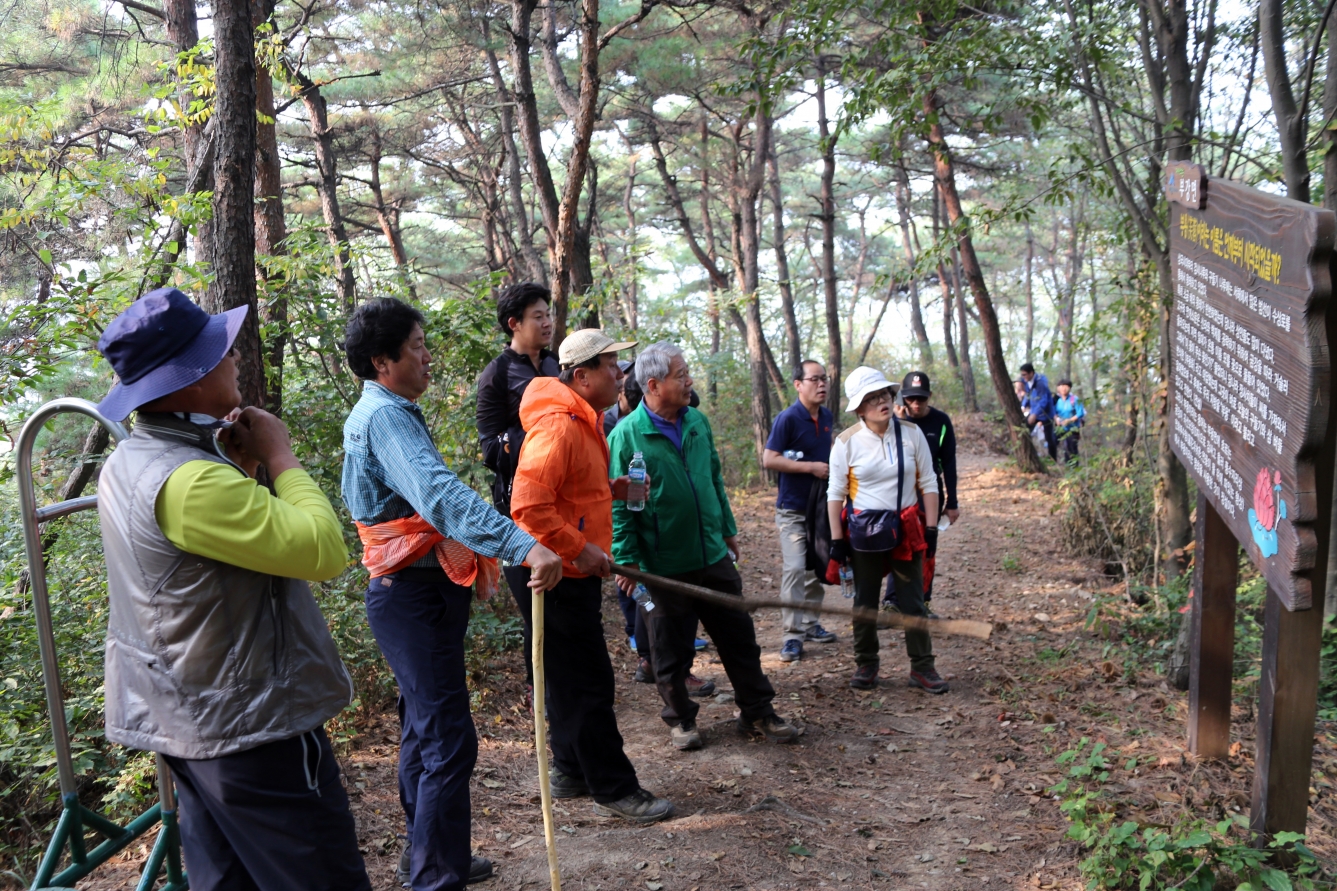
{"x": 916, "y": 383}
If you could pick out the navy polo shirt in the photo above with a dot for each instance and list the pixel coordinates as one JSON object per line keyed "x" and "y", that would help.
{"x": 795, "y": 429}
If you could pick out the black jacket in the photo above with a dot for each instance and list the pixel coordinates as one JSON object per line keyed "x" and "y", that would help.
{"x": 941, "y": 436}
{"x": 500, "y": 388}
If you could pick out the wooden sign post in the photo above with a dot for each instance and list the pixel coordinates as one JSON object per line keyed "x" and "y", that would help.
{"x": 1251, "y": 419}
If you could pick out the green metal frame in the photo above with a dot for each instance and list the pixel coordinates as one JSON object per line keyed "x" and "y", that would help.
{"x": 75, "y": 819}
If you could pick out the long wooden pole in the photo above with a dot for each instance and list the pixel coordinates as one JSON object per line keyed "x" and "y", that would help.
{"x": 965, "y": 627}
{"x": 541, "y": 738}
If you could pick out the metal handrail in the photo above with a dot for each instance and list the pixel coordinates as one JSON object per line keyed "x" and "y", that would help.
{"x": 74, "y": 816}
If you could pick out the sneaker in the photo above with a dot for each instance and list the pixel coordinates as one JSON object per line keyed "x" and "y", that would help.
{"x": 818, "y": 634}
{"x": 929, "y": 680}
{"x": 639, "y": 807}
{"x": 792, "y": 651}
{"x": 686, "y": 737}
{"x": 700, "y": 643}
{"x": 644, "y": 673}
{"x": 480, "y": 869}
{"x": 698, "y": 687}
{"x": 563, "y": 786}
{"x": 929, "y": 613}
{"x": 773, "y": 727}
{"x": 864, "y": 677}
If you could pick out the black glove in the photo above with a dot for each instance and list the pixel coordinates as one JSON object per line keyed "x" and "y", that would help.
{"x": 840, "y": 550}
{"x": 931, "y": 538}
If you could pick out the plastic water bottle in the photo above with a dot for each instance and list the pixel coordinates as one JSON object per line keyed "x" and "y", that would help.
{"x": 636, "y": 478}
{"x": 943, "y": 522}
{"x": 642, "y": 596}
{"x": 846, "y": 582}
{"x": 793, "y": 455}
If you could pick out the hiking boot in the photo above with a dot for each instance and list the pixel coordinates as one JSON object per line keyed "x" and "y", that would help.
{"x": 686, "y": 737}
{"x": 792, "y": 651}
{"x": 644, "y": 673}
{"x": 818, "y": 634}
{"x": 639, "y": 807}
{"x": 864, "y": 677}
{"x": 480, "y": 869}
{"x": 773, "y": 727}
{"x": 929, "y": 681}
{"x": 698, "y": 687}
{"x": 563, "y": 786}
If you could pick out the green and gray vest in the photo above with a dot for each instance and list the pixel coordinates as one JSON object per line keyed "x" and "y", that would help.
{"x": 203, "y": 658}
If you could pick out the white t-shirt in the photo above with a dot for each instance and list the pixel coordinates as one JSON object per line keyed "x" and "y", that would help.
{"x": 866, "y": 468}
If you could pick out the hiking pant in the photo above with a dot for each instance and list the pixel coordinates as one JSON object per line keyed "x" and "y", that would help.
{"x": 419, "y": 617}
{"x": 517, "y": 579}
{"x": 1069, "y": 446}
{"x": 673, "y": 631}
{"x": 585, "y": 740}
{"x": 274, "y": 818}
{"x": 798, "y": 585}
{"x": 908, "y": 576}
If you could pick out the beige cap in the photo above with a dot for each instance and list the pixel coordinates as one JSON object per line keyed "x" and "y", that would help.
{"x": 583, "y": 345}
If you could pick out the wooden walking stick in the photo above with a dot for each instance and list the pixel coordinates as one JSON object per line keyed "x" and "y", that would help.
{"x": 967, "y": 627}
{"x": 541, "y": 738}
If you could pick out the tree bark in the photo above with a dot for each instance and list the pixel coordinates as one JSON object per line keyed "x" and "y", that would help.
{"x": 746, "y": 192}
{"x": 945, "y": 174}
{"x": 183, "y": 30}
{"x": 1030, "y": 292}
{"x": 270, "y": 226}
{"x": 968, "y": 396}
{"x": 234, "y": 188}
{"x": 827, "y": 142}
{"x": 1292, "y": 128}
{"x": 948, "y": 330}
{"x": 524, "y": 234}
{"x": 782, "y": 269}
{"x": 327, "y": 187}
{"x": 916, "y": 310}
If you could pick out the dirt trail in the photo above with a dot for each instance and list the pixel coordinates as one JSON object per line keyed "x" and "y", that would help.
{"x": 889, "y": 788}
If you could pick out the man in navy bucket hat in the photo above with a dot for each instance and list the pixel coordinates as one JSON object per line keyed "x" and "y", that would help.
{"x": 217, "y": 655}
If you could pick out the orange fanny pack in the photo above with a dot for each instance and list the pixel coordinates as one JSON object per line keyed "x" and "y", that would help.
{"x": 397, "y": 544}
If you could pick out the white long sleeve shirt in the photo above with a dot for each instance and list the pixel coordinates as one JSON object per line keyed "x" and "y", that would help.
{"x": 865, "y": 468}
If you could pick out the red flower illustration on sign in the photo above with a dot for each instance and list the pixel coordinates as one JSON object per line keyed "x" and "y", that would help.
{"x": 1265, "y": 509}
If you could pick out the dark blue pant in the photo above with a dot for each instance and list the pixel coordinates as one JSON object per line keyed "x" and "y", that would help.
{"x": 274, "y": 818}
{"x": 419, "y": 617}
{"x": 585, "y": 740}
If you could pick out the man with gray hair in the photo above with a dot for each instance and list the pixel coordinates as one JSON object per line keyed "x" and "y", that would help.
{"x": 687, "y": 532}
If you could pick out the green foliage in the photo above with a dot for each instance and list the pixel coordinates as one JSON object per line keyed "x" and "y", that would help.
{"x": 1191, "y": 854}
{"x": 1103, "y": 506}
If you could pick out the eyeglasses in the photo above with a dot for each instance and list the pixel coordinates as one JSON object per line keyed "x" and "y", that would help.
{"x": 875, "y": 398}
{"x": 916, "y": 399}
{"x": 819, "y": 379}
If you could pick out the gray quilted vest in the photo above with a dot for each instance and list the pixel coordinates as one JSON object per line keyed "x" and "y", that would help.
{"x": 203, "y": 658}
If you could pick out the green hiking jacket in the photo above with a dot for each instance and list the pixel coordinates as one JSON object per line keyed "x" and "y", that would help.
{"x": 687, "y": 514}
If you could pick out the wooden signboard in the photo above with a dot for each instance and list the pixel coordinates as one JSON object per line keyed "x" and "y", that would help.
{"x": 1250, "y": 386}
{"x": 1250, "y": 417}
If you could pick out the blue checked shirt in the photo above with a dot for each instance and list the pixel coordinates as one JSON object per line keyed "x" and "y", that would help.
{"x": 392, "y": 469}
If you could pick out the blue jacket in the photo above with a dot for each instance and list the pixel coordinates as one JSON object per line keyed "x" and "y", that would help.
{"x": 1069, "y": 407}
{"x": 1039, "y": 400}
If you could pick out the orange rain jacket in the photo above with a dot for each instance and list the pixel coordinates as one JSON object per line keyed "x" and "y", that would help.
{"x": 561, "y": 494}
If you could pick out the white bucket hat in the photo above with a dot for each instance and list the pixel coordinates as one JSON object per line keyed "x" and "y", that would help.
{"x": 863, "y": 381}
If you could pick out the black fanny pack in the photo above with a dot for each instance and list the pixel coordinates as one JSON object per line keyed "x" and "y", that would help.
{"x": 881, "y": 530}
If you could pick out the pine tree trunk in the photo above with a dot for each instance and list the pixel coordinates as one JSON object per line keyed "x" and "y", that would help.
{"x": 270, "y": 226}
{"x": 827, "y": 141}
{"x": 234, "y": 188}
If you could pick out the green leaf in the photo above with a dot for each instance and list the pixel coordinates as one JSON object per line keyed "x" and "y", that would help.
{"x": 1275, "y": 879}
{"x": 800, "y": 851}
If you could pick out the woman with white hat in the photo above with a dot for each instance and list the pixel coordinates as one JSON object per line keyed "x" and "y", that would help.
{"x": 882, "y": 465}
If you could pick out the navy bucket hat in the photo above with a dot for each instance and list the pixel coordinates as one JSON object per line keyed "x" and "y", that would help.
{"x": 162, "y": 343}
